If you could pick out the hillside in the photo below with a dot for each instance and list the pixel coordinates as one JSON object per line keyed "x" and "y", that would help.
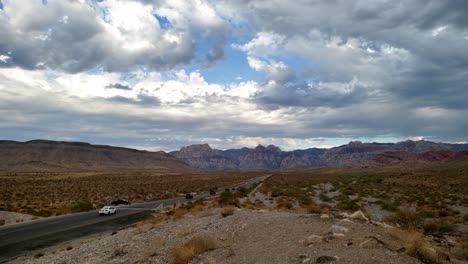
{"x": 42, "y": 155}
{"x": 203, "y": 157}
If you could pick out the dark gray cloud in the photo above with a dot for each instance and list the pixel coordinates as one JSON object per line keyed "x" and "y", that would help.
{"x": 118, "y": 86}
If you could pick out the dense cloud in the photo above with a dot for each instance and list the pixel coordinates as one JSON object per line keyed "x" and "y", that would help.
{"x": 134, "y": 72}
{"x": 111, "y": 35}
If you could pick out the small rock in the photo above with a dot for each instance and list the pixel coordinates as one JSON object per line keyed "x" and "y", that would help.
{"x": 346, "y": 220}
{"x": 338, "y": 235}
{"x": 325, "y": 259}
{"x": 359, "y": 215}
{"x": 343, "y": 215}
{"x": 370, "y": 243}
{"x": 113, "y": 233}
{"x": 314, "y": 239}
{"x": 306, "y": 260}
{"x": 302, "y": 256}
{"x": 324, "y": 216}
{"x": 339, "y": 229}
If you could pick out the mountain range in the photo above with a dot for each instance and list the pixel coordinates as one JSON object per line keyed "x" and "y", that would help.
{"x": 45, "y": 155}
{"x": 203, "y": 157}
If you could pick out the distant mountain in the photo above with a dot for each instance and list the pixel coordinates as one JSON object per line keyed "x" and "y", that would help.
{"x": 43, "y": 155}
{"x": 203, "y": 157}
{"x": 401, "y": 157}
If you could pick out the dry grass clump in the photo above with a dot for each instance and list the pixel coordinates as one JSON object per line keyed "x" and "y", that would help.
{"x": 406, "y": 218}
{"x": 119, "y": 251}
{"x": 196, "y": 246}
{"x": 284, "y": 204}
{"x": 314, "y": 209}
{"x": 417, "y": 246}
{"x": 460, "y": 251}
{"x": 227, "y": 212}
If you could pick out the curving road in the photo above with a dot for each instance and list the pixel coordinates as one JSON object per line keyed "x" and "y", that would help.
{"x": 18, "y": 238}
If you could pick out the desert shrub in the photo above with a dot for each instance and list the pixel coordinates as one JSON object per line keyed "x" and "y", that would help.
{"x": 304, "y": 199}
{"x": 349, "y": 205}
{"x": 314, "y": 209}
{"x": 406, "y": 218}
{"x": 277, "y": 193}
{"x": 40, "y": 213}
{"x": 38, "y": 255}
{"x": 325, "y": 197}
{"x": 119, "y": 251}
{"x": 430, "y": 213}
{"x": 226, "y": 197}
{"x": 68, "y": 248}
{"x": 444, "y": 212}
{"x": 434, "y": 226}
{"x": 284, "y": 204}
{"x": 227, "y": 211}
{"x": 348, "y": 191}
{"x": 465, "y": 218}
{"x": 184, "y": 253}
{"x": 82, "y": 206}
{"x": 241, "y": 192}
{"x": 2, "y": 222}
{"x": 390, "y": 206}
{"x": 460, "y": 251}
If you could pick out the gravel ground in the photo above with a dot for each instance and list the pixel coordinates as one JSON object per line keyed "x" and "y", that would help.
{"x": 247, "y": 236}
{"x": 15, "y": 218}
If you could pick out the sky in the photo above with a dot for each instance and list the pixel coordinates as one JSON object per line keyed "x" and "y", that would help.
{"x": 162, "y": 74}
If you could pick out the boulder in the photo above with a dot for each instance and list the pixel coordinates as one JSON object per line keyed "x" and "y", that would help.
{"x": 359, "y": 215}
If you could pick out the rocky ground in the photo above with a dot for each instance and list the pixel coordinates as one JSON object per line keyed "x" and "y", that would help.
{"x": 246, "y": 236}
{"x": 10, "y": 218}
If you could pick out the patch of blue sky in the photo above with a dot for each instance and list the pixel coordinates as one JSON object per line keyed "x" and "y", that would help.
{"x": 1, "y": 5}
{"x": 227, "y": 69}
{"x": 164, "y": 23}
{"x": 233, "y": 68}
{"x": 51, "y": 75}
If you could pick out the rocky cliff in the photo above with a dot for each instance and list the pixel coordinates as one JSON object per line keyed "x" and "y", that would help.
{"x": 203, "y": 157}
{"x": 43, "y": 155}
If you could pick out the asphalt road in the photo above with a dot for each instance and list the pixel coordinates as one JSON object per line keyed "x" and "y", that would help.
{"x": 36, "y": 234}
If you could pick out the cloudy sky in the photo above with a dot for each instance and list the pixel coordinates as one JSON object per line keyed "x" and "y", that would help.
{"x": 161, "y": 74}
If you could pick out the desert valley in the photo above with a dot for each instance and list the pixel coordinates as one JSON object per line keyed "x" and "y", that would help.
{"x": 357, "y": 203}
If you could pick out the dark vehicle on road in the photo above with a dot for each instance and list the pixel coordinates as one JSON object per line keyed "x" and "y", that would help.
{"x": 189, "y": 196}
{"x": 212, "y": 192}
{"x": 119, "y": 202}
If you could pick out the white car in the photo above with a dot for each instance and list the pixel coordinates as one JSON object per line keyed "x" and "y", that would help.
{"x": 107, "y": 210}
